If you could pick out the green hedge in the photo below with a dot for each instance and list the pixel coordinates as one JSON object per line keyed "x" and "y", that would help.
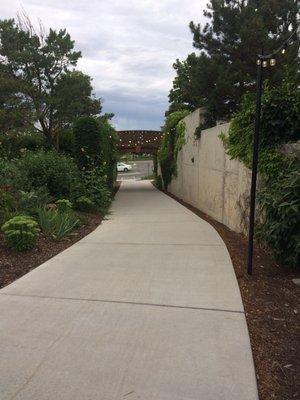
{"x": 278, "y": 196}
{"x": 87, "y": 142}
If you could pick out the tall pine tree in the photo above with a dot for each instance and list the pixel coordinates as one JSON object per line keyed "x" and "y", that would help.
{"x": 236, "y": 31}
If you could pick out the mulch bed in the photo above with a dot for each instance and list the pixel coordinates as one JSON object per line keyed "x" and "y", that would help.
{"x": 14, "y": 264}
{"x": 271, "y": 302}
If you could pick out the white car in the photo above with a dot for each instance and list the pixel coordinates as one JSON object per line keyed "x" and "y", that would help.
{"x": 122, "y": 167}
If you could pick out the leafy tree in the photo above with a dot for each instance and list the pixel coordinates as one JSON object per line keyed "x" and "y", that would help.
{"x": 39, "y": 87}
{"x": 225, "y": 69}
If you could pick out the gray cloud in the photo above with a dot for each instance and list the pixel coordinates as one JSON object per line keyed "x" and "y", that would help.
{"x": 128, "y": 47}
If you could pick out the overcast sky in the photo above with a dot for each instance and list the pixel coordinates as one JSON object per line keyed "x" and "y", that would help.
{"x": 128, "y": 48}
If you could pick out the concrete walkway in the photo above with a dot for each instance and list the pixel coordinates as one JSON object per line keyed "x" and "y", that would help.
{"x": 146, "y": 307}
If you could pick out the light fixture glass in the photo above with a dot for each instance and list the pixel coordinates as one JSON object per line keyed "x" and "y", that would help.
{"x": 283, "y": 50}
{"x": 258, "y": 62}
{"x": 272, "y": 62}
{"x": 265, "y": 63}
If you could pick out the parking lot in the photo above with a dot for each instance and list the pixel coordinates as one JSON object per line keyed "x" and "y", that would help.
{"x": 140, "y": 169}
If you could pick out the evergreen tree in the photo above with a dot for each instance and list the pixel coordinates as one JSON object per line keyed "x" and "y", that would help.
{"x": 225, "y": 69}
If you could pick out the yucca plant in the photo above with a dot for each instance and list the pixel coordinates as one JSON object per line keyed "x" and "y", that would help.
{"x": 57, "y": 224}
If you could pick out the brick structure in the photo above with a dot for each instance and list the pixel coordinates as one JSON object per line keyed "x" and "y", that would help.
{"x": 139, "y": 142}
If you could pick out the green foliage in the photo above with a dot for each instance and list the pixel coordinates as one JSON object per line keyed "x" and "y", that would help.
{"x": 172, "y": 142}
{"x": 21, "y": 232}
{"x": 87, "y": 142}
{"x": 57, "y": 224}
{"x": 67, "y": 143}
{"x": 29, "y": 201}
{"x": 218, "y": 76}
{"x": 7, "y": 205}
{"x": 46, "y": 219}
{"x": 95, "y": 146}
{"x": 279, "y": 200}
{"x": 55, "y": 172}
{"x": 199, "y": 130}
{"x": 37, "y": 83}
{"x": 280, "y": 121}
{"x": 15, "y": 144}
{"x": 278, "y": 196}
{"x": 85, "y": 204}
{"x": 10, "y": 175}
{"x": 95, "y": 188}
{"x": 109, "y": 152}
{"x": 63, "y": 205}
{"x": 155, "y": 165}
{"x": 158, "y": 182}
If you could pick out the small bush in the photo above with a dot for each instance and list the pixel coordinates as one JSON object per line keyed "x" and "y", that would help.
{"x": 85, "y": 204}
{"x": 63, "y": 205}
{"x": 21, "y": 232}
{"x": 56, "y": 172}
{"x": 57, "y": 224}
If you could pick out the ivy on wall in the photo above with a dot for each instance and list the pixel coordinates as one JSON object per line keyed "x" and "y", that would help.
{"x": 172, "y": 141}
{"x": 279, "y": 192}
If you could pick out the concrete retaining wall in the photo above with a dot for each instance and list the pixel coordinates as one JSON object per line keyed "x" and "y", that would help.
{"x": 208, "y": 179}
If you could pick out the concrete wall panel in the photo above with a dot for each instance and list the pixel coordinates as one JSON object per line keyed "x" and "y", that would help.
{"x": 208, "y": 179}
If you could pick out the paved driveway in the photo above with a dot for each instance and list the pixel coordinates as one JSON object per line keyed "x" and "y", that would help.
{"x": 146, "y": 307}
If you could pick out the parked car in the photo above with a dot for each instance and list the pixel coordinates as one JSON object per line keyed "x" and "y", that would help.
{"x": 122, "y": 167}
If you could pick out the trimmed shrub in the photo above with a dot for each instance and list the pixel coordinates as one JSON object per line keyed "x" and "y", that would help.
{"x": 85, "y": 204}
{"x": 21, "y": 232}
{"x": 87, "y": 142}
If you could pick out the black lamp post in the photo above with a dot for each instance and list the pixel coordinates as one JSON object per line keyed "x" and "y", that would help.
{"x": 262, "y": 62}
